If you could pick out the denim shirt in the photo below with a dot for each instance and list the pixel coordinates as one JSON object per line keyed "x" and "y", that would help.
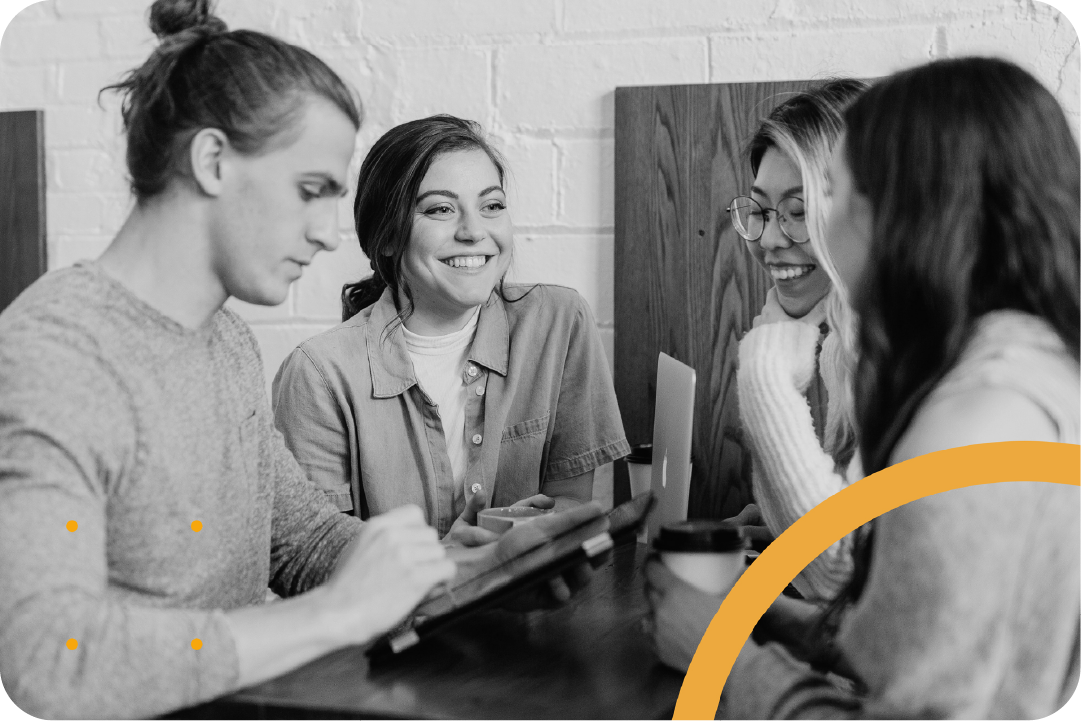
{"x": 541, "y": 410}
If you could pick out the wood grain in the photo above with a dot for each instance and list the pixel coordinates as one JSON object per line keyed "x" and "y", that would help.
{"x": 22, "y": 201}
{"x": 684, "y": 284}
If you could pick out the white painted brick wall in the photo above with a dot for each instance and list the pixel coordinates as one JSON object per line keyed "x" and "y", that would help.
{"x": 539, "y": 75}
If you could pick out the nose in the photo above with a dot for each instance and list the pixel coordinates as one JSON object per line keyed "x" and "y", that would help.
{"x": 772, "y": 237}
{"x": 323, "y": 227}
{"x": 470, "y": 228}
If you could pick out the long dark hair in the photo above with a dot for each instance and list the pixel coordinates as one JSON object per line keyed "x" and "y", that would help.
{"x": 972, "y": 174}
{"x": 974, "y": 179}
{"x": 249, "y": 85}
{"x": 387, "y": 186}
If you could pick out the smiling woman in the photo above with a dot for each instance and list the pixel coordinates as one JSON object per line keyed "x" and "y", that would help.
{"x": 444, "y": 386}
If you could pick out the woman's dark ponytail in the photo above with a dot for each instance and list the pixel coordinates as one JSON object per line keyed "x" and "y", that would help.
{"x": 358, "y": 296}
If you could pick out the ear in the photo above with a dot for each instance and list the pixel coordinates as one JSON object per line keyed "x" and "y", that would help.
{"x": 207, "y": 149}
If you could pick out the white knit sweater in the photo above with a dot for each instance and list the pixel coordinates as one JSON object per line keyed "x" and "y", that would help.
{"x": 792, "y": 471}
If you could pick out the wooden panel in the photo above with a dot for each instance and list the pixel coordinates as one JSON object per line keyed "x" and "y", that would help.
{"x": 22, "y": 202}
{"x": 684, "y": 283}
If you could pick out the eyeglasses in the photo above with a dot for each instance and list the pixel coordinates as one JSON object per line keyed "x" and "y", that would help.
{"x": 749, "y": 218}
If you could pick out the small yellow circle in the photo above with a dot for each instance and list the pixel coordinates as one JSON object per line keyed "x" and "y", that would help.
{"x": 72, "y": 644}
{"x": 72, "y": 526}
{"x": 197, "y": 643}
{"x": 196, "y": 526}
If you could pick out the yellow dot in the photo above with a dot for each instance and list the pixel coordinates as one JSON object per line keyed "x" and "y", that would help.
{"x": 196, "y": 526}
{"x": 197, "y": 643}
{"x": 72, "y": 526}
{"x": 72, "y": 643}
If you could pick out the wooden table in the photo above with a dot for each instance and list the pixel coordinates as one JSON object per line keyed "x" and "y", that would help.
{"x": 588, "y": 659}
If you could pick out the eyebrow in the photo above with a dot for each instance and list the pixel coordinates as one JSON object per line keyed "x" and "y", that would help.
{"x": 791, "y": 191}
{"x": 451, "y": 194}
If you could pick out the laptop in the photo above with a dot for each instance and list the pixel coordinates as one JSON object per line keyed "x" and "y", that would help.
{"x": 673, "y": 422}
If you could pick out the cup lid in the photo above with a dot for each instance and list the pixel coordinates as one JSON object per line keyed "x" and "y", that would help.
{"x": 641, "y": 453}
{"x": 699, "y": 536}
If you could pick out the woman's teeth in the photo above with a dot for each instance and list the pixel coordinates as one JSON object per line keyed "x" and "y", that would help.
{"x": 789, "y": 272}
{"x": 466, "y": 261}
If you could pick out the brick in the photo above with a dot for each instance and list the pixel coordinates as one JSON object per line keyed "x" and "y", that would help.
{"x": 708, "y": 15}
{"x": 83, "y": 127}
{"x": 1044, "y": 44}
{"x": 75, "y": 8}
{"x": 441, "y": 80}
{"x": 80, "y": 82}
{"x": 582, "y": 262}
{"x": 1070, "y": 86}
{"x": 572, "y": 86}
{"x": 37, "y": 42}
{"x": 530, "y": 180}
{"x": 278, "y": 341}
{"x": 319, "y": 291}
{"x": 826, "y": 11}
{"x": 127, "y": 36}
{"x": 27, "y": 87}
{"x": 35, "y": 11}
{"x": 79, "y": 214}
{"x": 67, "y": 250}
{"x": 467, "y": 19}
{"x": 815, "y": 54}
{"x": 587, "y": 182}
{"x": 309, "y": 24}
{"x": 116, "y": 207}
{"x": 85, "y": 171}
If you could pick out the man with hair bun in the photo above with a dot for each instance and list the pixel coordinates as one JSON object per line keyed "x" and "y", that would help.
{"x": 132, "y": 403}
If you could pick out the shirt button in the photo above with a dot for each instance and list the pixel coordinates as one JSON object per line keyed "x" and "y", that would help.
{"x": 480, "y": 390}
{"x": 472, "y": 371}
{"x": 475, "y": 488}
{"x": 477, "y": 439}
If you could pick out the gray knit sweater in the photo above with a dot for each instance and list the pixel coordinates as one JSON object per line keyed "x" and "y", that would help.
{"x": 971, "y": 609}
{"x": 118, "y": 418}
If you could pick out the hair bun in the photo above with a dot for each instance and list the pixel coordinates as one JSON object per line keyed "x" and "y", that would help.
{"x": 171, "y": 17}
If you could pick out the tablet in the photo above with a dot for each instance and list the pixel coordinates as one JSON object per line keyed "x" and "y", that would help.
{"x": 491, "y": 587}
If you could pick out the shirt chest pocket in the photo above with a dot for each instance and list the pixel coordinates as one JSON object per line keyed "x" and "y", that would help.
{"x": 523, "y": 455}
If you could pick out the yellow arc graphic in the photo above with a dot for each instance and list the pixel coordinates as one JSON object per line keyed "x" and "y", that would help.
{"x": 836, "y": 517}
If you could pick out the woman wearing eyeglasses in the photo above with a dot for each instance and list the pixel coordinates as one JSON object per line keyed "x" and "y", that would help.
{"x": 781, "y": 222}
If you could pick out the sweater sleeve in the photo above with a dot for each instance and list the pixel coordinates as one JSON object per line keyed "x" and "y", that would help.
{"x": 792, "y": 472}
{"x": 71, "y": 645}
{"x": 970, "y": 611}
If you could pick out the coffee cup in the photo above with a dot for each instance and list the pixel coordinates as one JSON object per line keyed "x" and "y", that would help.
{"x": 709, "y": 555}
{"x": 499, "y": 520}
{"x": 640, "y": 468}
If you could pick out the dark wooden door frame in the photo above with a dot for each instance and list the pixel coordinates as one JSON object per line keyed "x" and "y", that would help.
{"x": 22, "y": 201}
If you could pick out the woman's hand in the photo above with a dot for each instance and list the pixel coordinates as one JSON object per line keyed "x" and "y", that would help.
{"x": 752, "y": 527}
{"x": 679, "y": 614}
{"x": 527, "y": 536}
{"x": 394, "y": 562}
{"x": 465, "y": 531}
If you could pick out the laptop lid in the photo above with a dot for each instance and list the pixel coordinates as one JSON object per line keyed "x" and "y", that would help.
{"x": 673, "y": 422}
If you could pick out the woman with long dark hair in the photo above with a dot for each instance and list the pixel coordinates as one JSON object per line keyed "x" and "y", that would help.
{"x": 444, "y": 386}
{"x": 955, "y": 229}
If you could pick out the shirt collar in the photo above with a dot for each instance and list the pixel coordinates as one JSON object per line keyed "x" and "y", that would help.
{"x": 388, "y": 357}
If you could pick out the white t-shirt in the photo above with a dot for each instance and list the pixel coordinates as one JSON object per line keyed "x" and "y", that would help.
{"x": 439, "y": 363}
